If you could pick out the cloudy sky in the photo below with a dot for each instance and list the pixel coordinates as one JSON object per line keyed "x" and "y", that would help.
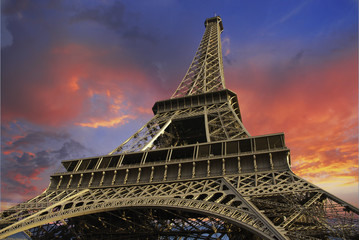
{"x": 79, "y": 77}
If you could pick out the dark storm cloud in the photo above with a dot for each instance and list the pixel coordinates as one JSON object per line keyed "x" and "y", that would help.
{"x": 112, "y": 16}
{"x": 135, "y": 33}
{"x": 12, "y": 7}
{"x": 34, "y": 138}
{"x": 70, "y": 149}
{"x": 21, "y": 168}
{"x": 29, "y": 164}
{"x": 115, "y": 17}
{"x": 45, "y": 142}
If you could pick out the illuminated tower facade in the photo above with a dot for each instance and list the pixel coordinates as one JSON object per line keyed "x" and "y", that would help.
{"x": 192, "y": 171}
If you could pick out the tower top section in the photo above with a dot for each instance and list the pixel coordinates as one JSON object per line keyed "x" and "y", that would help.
{"x": 206, "y": 71}
{"x": 215, "y": 19}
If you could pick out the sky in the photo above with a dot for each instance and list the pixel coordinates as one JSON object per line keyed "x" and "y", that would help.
{"x": 80, "y": 77}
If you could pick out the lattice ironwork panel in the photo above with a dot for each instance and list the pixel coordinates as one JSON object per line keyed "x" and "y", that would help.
{"x": 238, "y": 189}
{"x": 210, "y": 197}
{"x": 224, "y": 124}
{"x": 305, "y": 211}
{"x": 146, "y": 224}
{"x": 206, "y": 71}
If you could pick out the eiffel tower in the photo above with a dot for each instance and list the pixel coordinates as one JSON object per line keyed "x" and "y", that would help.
{"x": 192, "y": 172}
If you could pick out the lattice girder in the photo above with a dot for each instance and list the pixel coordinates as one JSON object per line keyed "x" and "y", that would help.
{"x": 303, "y": 209}
{"x": 212, "y": 197}
{"x": 175, "y": 225}
{"x": 215, "y": 197}
{"x": 192, "y": 171}
{"x": 219, "y": 112}
{"x": 205, "y": 73}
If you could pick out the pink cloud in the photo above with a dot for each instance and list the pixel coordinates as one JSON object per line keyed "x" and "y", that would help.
{"x": 315, "y": 105}
{"x": 61, "y": 92}
{"x": 107, "y": 123}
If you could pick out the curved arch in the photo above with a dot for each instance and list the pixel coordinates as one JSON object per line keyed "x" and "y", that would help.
{"x": 236, "y": 216}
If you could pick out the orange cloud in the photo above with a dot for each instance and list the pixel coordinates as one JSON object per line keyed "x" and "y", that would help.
{"x": 73, "y": 84}
{"x": 10, "y": 151}
{"x": 59, "y": 90}
{"x": 107, "y": 123}
{"x": 315, "y": 106}
{"x": 143, "y": 110}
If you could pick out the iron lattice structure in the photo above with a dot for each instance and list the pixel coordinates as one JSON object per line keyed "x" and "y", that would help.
{"x": 192, "y": 172}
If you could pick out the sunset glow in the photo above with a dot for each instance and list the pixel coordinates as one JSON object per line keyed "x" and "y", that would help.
{"x": 109, "y": 123}
{"x": 80, "y": 77}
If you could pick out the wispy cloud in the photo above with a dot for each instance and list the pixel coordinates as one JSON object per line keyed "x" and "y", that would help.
{"x": 107, "y": 123}
{"x": 293, "y": 12}
{"x": 286, "y": 17}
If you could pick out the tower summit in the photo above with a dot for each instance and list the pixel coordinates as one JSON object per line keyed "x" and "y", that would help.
{"x": 206, "y": 71}
{"x": 192, "y": 171}
{"x": 200, "y": 110}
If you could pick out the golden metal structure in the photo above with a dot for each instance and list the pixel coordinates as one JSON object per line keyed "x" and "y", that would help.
{"x": 192, "y": 172}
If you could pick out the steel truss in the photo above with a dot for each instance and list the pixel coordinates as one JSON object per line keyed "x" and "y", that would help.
{"x": 191, "y": 172}
{"x": 272, "y": 205}
{"x": 206, "y": 71}
{"x": 220, "y": 120}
